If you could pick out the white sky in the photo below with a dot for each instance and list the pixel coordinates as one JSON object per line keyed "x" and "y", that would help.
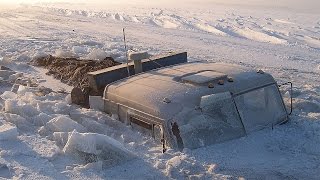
{"x": 301, "y": 5}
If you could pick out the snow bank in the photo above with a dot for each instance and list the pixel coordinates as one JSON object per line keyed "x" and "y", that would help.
{"x": 8, "y": 131}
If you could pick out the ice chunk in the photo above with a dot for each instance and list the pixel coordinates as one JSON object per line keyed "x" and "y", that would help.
{"x": 91, "y": 43}
{"x": 25, "y": 110}
{"x": 68, "y": 99}
{"x": 96, "y": 102}
{"x": 5, "y": 74}
{"x": 61, "y": 138}
{"x": 5, "y": 60}
{"x": 79, "y": 50}
{"x": 97, "y": 147}
{"x": 23, "y": 58}
{"x": 20, "y": 122}
{"x": 28, "y": 111}
{"x": 8, "y": 131}
{"x": 22, "y": 90}
{"x": 64, "y": 124}
{"x": 61, "y": 108}
{"x": 41, "y": 119}
{"x": 11, "y": 106}
{"x": 63, "y": 53}
{"x": 14, "y": 77}
{"x": 8, "y": 95}
{"x": 39, "y": 54}
{"x": 97, "y": 54}
{"x": 46, "y": 107}
{"x": 15, "y": 88}
{"x": 93, "y": 126}
{"x": 81, "y": 142}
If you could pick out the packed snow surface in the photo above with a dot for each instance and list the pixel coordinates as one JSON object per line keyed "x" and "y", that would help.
{"x": 46, "y": 137}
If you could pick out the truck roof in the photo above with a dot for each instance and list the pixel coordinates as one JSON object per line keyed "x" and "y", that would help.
{"x": 167, "y": 91}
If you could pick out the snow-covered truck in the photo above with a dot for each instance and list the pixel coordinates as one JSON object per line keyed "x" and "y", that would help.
{"x": 190, "y": 104}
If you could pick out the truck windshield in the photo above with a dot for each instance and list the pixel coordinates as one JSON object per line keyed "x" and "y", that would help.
{"x": 261, "y": 108}
{"x": 216, "y": 121}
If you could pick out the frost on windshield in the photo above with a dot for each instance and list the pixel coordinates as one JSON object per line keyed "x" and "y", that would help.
{"x": 217, "y": 121}
{"x": 261, "y": 108}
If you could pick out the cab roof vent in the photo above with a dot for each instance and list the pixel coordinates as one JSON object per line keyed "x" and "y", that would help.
{"x": 203, "y": 77}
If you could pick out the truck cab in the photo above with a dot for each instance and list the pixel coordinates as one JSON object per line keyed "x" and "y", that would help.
{"x": 195, "y": 104}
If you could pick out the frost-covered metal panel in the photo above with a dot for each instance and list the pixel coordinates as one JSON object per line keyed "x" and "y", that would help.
{"x": 146, "y": 92}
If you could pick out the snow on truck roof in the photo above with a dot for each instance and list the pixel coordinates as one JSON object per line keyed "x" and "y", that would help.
{"x": 166, "y": 91}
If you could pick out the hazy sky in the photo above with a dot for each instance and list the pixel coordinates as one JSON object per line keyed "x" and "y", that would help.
{"x": 302, "y": 5}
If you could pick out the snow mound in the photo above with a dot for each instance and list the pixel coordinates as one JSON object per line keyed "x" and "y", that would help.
{"x": 93, "y": 147}
{"x": 211, "y": 29}
{"x": 8, "y": 131}
{"x": 258, "y": 36}
{"x": 182, "y": 164}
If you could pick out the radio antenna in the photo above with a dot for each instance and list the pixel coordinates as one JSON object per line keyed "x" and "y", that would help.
{"x": 125, "y": 47}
